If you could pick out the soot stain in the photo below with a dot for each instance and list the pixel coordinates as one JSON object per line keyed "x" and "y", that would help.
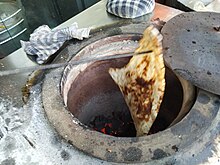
{"x": 114, "y": 31}
{"x": 216, "y": 28}
{"x": 209, "y": 73}
{"x": 216, "y": 105}
{"x": 159, "y": 154}
{"x": 1, "y": 135}
{"x": 203, "y": 98}
{"x": 55, "y": 140}
{"x": 111, "y": 156}
{"x": 175, "y": 148}
{"x": 132, "y": 154}
{"x": 65, "y": 155}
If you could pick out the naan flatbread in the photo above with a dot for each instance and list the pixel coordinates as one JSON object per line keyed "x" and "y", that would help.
{"x": 142, "y": 81}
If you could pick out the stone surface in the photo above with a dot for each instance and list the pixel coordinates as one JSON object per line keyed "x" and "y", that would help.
{"x": 192, "y": 51}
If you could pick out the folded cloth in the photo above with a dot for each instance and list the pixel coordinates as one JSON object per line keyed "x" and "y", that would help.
{"x": 44, "y": 42}
{"x": 130, "y": 8}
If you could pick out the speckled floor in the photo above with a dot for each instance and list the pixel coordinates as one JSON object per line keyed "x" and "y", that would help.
{"x": 26, "y": 137}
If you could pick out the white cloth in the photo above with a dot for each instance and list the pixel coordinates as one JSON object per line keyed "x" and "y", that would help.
{"x": 44, "y": 42}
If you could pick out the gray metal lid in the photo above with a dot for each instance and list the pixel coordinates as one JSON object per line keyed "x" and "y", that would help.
{"x": 191, "y": 44}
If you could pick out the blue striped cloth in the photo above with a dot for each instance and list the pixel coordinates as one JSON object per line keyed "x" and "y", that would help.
{"x": 44, "y": 42}
{"x": 130, "y": 8}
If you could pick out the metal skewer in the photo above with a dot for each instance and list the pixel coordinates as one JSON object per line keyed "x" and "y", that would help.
{"x": 81, "y": 61}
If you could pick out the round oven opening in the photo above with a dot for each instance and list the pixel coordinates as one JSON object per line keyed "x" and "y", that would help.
{"x": 95, "y": 99}
{"x": 88, "y": 91}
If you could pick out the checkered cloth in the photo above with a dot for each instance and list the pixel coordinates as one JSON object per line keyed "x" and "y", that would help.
{"x": 44, "y": 42}
{"x": 130, "y": 8}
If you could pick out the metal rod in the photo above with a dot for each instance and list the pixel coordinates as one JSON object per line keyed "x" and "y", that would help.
{"x": 81, "y": 61}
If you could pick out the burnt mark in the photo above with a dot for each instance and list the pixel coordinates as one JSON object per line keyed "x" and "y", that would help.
{"x": 34, "y": 79}
{"x": 216, "y": 28}
{"x": 175, "y": 148}
{"x": 144, "y": 110}
{"x": 209, "y": 73}
{"x": 114, "y": 31}
{"x": 140, "y": 81}
{"x": 111, "y": 156}
{"x": 125, "y": 91}
{"x": 216, "y": 105}
{"x": 1, "y": 135}
{"x": 70, "y": 142}
{"x": 159, "y": 154}
{"x": 55, "y": 140}
{"x": 147, "y": 84}
{"x": 144, "y": 62}
{"x": 166, "y": 48}
{"x": 65, "y": 155}
{"x": 127, "y": 74}
{"x": 132, "y": 154}
{"x": 29, "y": 141}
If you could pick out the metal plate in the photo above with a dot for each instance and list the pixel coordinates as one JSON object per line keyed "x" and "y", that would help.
{"x": 192, "y": 48}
